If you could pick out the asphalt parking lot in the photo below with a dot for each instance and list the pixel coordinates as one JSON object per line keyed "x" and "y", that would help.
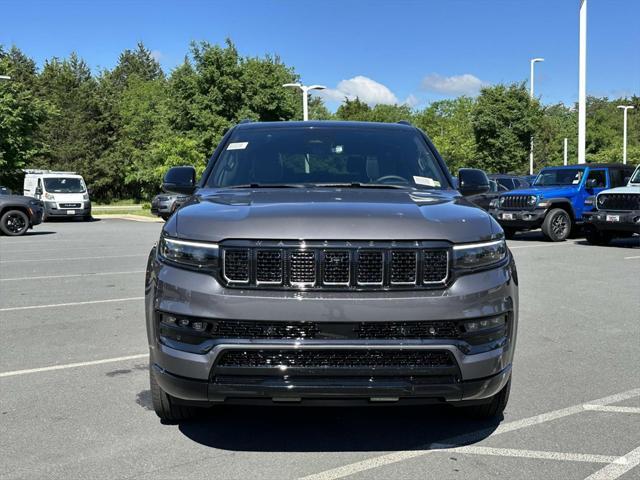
{"x": 75, "y": 401}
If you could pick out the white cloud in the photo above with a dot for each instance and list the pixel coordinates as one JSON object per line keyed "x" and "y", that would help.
{"x": 412, "y": 101}
{"x": 465, "y": 84}
{"x": 364, "y": 88}
{"x": 156, "y": 55}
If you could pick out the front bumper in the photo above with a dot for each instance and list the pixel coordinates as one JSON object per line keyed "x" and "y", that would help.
{"x": 36, "y": 215}
{"x": 614, "y": 221}
{"x": 519, "y": 219}
{"x": 193, "y": 376}
{"x": 53, "y": 209}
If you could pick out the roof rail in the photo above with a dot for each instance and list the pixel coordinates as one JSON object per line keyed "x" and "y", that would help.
{"x": 37, "y": 170}
{"x": 405, "y": 122}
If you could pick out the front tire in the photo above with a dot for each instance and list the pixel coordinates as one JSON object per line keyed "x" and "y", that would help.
{"x": 165, "y": 405}
{"x": 557, "y": 225}
{"x": 493, "y": 408}
{"x": 14, "y": 223}
{"x": 594, "y": 237}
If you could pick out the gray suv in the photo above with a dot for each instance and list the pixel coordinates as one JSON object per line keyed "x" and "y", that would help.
{"x": 330, "y": 263}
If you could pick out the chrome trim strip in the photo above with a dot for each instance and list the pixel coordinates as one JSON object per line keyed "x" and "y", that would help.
{"x": 224, "y": 268}
{"x": 446, "y": 278}
{"x": 477, "y": 245}
{"x": 192, "y": 244}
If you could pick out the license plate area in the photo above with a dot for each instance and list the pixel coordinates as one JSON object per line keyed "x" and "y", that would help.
{"x": 613, "y": 218}
{"x": 507, "y": 216}
{"x": 71, "y": 212}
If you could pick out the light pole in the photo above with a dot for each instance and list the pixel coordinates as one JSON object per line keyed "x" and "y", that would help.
{"x": 565, "y": 151}
{"x": 4, "y": 78}
{"x": 624, "y": 132}
{"x": 582, "y": 84}
{"x": 305, "y": 94}
{"x": 532, "y": 63}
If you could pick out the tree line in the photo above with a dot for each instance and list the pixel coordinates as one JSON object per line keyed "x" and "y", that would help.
{"x": 123, "y": 127}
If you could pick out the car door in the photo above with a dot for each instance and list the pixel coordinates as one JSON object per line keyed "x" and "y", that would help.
{"x": 599, "y": 176}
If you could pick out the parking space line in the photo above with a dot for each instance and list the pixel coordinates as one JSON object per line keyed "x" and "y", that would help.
{"x": 395, "y": 457}
{"x": 631, "y": 258}
{"x": 558, "y": 244}
{"x": 70, "y": 304}
{"x": 66, "y": 259}
{"x": 616, "y": 470}
{"x": 72, "y": 275}
{"x": 611, "y": 408}
{"x": 541, "y": 455}
{"x": 72, "y": 365}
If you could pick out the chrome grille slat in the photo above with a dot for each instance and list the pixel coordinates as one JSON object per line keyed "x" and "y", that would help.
{"x": 275, "y": 264}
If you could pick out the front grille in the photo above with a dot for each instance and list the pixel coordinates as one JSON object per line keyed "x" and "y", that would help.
{"x": 318, "y": 267}
{"x": 360, "y": 358}
{"x": 70, "y": 205}
{"x": 619, "y": 201}
{"x": 262, "y": 329}
{"x": 515, "y": 202}
{"x": 408, "y": 330}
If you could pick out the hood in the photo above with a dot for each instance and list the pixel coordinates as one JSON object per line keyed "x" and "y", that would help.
{"x": 546, "y": 192}
{"x": 331, "y": 214}
{"x": 18, "y": 199}
{"x": 628, "y": 189}
{"x": 67, "y": 197}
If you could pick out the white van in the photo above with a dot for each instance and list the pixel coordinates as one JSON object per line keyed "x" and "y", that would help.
{"x": 64, "y": 193}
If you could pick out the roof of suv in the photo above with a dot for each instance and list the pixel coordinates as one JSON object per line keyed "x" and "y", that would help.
{"x": 324, "y": 123}
{"x": 592, "y": 165}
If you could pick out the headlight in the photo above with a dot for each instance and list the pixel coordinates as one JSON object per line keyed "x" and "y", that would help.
{"x": 85, "y": 196}
{"x": 49, "y": 196}
{"x": 502, "y": 199}
{"x": 493, "y": 203}
{"x": 198, "y": 255}
{"x": 589, "y": 201}
{"x": 532, "y": 200}
{"x": 478, "y": 255}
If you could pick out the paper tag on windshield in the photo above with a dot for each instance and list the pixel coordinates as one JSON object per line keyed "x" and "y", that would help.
{"x": 237, "y": 146}
{"x": 429, "y": 182}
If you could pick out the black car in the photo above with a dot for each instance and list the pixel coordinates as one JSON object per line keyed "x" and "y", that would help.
{"x": 483, "y": 200}
{"x": 509, "y": 182}
{"x": 18, "y": 214}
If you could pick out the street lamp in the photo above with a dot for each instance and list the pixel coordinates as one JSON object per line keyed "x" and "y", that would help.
{"x": 624, "y": 132}
{"x": 305, "y": 92}
{"x": 4, "y": 78}
{"x": 532, "y": 63}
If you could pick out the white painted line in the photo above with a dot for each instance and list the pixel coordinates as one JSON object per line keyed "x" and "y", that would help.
{"x": 616, "y": 470}
{"x": 66, "y": 259}
{"x": 72, "y": 365}
{"x": 611, "y": 408}
{"x": 70, "y": 304}
{"x": 630, "y": 258}
{"x": 73, "y": 275}
{"x": 561, "y": 456}
{"x": 556, "y": 244}
{"x": 395, "y": 457}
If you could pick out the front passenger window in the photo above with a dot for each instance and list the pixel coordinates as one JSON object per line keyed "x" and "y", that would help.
{"x": 600, "y": 176}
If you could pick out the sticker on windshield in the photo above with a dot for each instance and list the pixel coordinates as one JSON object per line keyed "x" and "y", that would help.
{"x": 237, "y": 146}
{"x": 429, "y": 182}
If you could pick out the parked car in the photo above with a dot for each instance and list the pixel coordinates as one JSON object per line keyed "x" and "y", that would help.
{"x": 5, "y": 191}
{"x": 64, "y": 194}
{"x": 164, "y": 204}
{"x": 18, "y": 214}
{"x": 510, "y": 182}
{"x": 483, "y": 200}
{"x": 557, "y": 200}
{"x": 329, "y": 262}
{"x": 617, "y": 213}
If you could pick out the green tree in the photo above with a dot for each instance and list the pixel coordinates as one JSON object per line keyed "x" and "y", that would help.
{"x": 354, "y": 110}
{"x": 504, "y": 119}
{"x": 21, "y": 112}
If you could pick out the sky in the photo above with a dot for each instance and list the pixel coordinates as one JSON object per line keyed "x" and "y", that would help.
{"x": 400, "y": 51}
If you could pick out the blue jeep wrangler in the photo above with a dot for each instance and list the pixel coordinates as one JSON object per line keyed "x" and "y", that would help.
{"x": 557, "y": 199}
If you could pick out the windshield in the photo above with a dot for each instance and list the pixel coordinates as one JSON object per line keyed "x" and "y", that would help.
{"x": 64, "y": 185}
{"x": 564, "y": 176}
{"x": 341, "y": 156}
{"x": 635, "y": 178}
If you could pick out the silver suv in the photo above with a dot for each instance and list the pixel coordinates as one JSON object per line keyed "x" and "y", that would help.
{"x": 332, "y": 263}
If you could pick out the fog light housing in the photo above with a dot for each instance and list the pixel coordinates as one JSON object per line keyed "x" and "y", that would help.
{"x": 474, "y": 326}
{"x": 199, "y": 326}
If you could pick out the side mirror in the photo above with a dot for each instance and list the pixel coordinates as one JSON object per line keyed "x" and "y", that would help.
{"x": 89, "y": 191}
{"x": 38, "y": 191}
{"x": 472, "y": 181}
{"x": 180, "y": 180}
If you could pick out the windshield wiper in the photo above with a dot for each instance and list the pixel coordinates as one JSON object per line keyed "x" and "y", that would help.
{"x": 362, "y": 185}
{"x": 267, "y": 185}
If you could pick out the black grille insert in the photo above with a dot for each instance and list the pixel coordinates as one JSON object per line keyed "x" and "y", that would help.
{"x": 370, "y": 268}
{"x": 435, "y": 266}
{"x": 404, "y": 267}
{"x": 302, "y": 267}
{"x": 336, "y": 268}
{"x": 360, "y": 358}
{"x": 408, "y": 330}
{"x": 269, "y": 266}
{"x": 619, "y": 201}
{"x": 262, "y": 329}
{"x": 70, "y": 205}
{"x": 515, "y": 202}
{"x": 236, "y": 265}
